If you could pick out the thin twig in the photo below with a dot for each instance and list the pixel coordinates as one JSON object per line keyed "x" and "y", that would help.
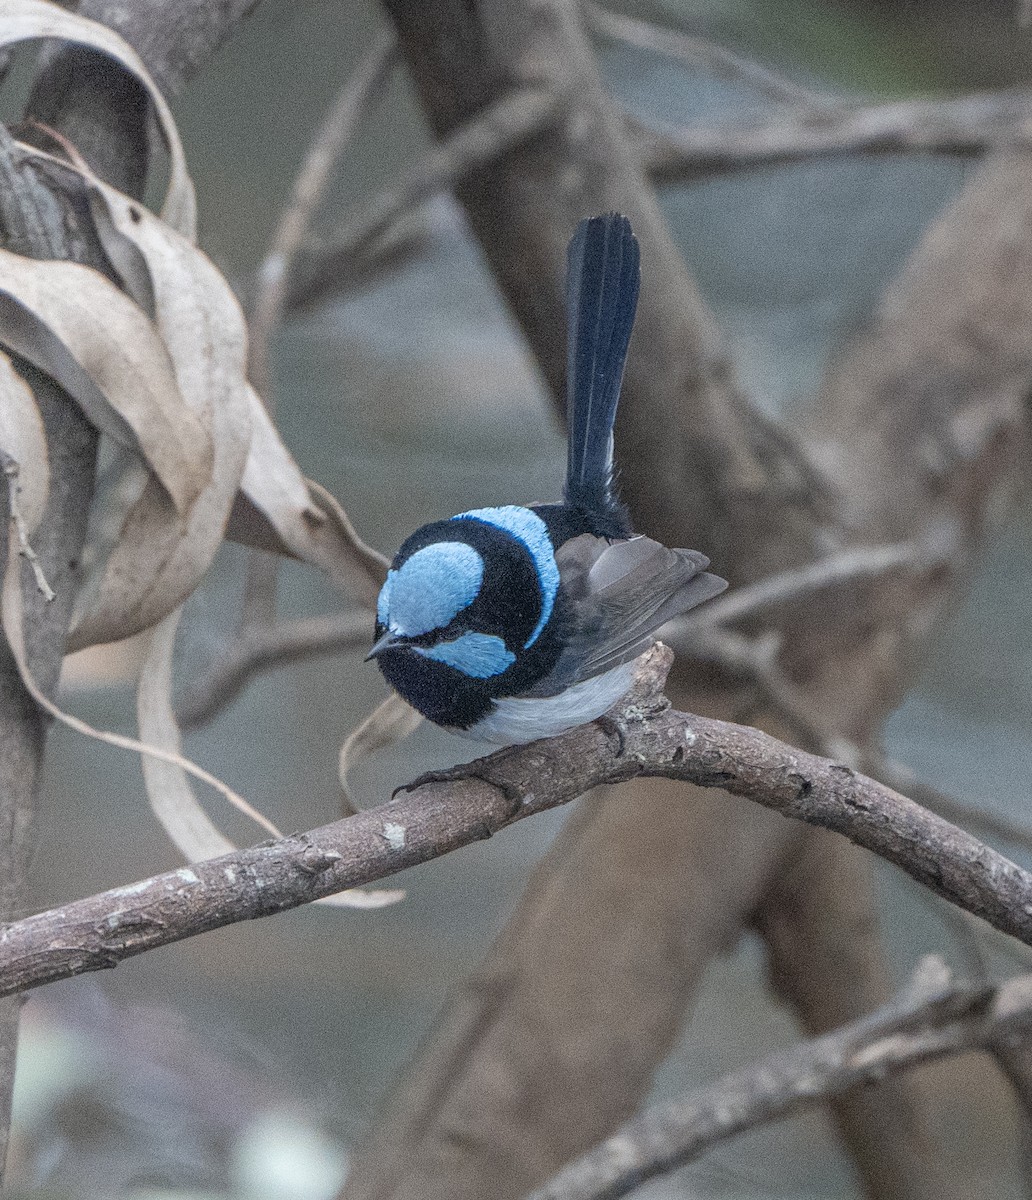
{"x": 331, "y": 138}
{"x": 456, "y": 808}
{"x": 11, "y": 470}
{"x": 508, "y": 123}
{"x": 933, "y": 1018}
{"x": 257, "y": 649}
{"x": 698, "y": 52}
{"x": 963, "y": 125}
{"x": 846, "y": 567}
{"x": 335, "y": 131}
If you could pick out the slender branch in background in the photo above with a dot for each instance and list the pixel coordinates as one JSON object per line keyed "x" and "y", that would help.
{"x": 331, "y": 138}
{"x": 337, "y": 128}
{"x": 850, "y": 566}
{"x": 508, "y": 123}
{"x": 452, "y": 809}
{"x": 698, "y": 52}
{"x": 932, "y": 1018}
{"x": 259, "y": 648}
{"x": 965, "y": 125}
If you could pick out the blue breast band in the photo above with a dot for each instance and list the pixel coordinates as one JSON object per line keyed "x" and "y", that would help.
{"x": 526, "y": 527}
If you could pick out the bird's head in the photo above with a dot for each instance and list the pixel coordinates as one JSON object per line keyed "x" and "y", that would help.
{"x": 429, "y": 608}
{"x": 466, "y": 604}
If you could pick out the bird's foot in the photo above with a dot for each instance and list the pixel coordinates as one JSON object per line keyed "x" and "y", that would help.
{"x": 443, "y": 775}
{"x": 486, "y": 770}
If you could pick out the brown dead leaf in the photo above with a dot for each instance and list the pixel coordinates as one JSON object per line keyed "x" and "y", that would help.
{"x": 171, "y": 797}
{"x": 77, "y": 327}
{"x": 13, "y": 627}
{"x": 160, "y": 556}
{"x": 25, "y": 20}
{"x": 168, "y": 788}
{"x": 388, "y": 723}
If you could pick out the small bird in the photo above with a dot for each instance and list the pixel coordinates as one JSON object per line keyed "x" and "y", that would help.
{"x": 514, "y": 623}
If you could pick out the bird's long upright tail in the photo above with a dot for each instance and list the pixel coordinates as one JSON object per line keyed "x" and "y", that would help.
{"x": 603, "y": 275}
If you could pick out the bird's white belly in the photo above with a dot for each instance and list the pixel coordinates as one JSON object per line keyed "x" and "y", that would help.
{"x": 515, "y": 721}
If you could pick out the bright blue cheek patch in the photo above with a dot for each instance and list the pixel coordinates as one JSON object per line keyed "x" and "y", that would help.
{"x": 479, "y": 655}
{"x": 527, "y": 527}
{"x": 430, "y": 588}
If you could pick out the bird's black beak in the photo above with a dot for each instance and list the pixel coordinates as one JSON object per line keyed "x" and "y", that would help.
{"x": 388, "y": 642}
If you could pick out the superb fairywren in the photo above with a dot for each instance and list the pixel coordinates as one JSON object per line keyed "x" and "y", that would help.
{"x": 515, "y": 623}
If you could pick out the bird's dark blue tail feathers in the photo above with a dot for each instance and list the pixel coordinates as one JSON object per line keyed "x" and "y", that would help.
{"x": 603, "y": 275}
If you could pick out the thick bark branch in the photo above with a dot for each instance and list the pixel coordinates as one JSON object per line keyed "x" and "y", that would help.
{"x": 87, "y": 99}
{"x": 819, "y": 923}
{"x": 485, "y": 796}
{"x": 698, "y": 468}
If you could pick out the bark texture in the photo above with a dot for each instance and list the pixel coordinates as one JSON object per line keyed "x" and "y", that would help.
{"x": 95, "y": 104}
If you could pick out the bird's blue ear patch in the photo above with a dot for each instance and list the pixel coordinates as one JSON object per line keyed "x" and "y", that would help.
{"x": 479, "y": 655}
{"x": 527, "y": 527}
{"x": 429, "y": 589}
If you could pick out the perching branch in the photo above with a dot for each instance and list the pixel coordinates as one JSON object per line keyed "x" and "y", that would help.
{"x": 932, "y": 1018}
{"x": 644, "y": 739}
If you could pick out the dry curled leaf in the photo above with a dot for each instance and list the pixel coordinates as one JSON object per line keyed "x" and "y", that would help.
{"x": 160, "y": 556}
{"x": 286, "y": 513}
{"x": 171, "y": 797}
{"x": 24, "y": 440}
{"x": 77, "y": 327}
{"x": 388, "y": 724}
{"x": 169, "y": 756}
{"x": 24, "y": 20}
{"x": 168, "y": 788}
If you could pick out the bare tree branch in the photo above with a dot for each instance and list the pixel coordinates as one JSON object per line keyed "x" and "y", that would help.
{"x": 258, "y": 605}
{"x": 698, "y": 52}
{"x": 756, "y": 659}
{"x": 933, "y": 1018}
{"x": 964, "y": 125}
{"x": 477, "y": 800}
{"x": 509, "y": 122}
{"x": 906, "y": 444}
{"x": 260, "y": 647}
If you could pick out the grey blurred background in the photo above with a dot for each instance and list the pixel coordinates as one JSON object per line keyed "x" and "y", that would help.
{"x": 245, "y": 1062}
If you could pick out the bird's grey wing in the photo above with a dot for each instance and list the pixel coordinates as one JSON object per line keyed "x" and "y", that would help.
{"x": 620, "y": 594}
